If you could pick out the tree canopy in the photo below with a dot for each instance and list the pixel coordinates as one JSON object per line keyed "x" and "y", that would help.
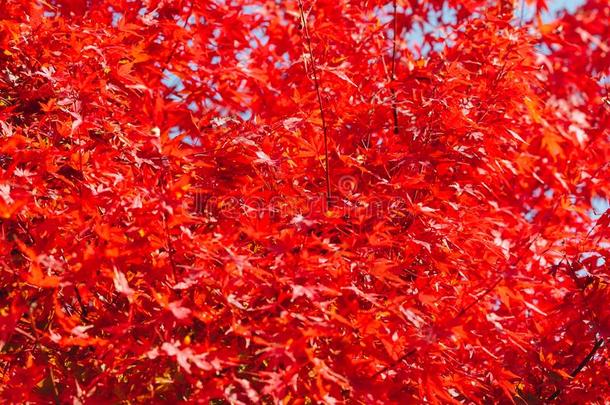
{"x": 302, "y": 202}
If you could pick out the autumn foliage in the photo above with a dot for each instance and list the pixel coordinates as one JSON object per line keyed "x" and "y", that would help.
{"x": 304, "y": 201}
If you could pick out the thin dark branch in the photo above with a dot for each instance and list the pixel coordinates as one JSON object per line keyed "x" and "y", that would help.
{"x": 319, "y": 95}
{"x": 395, "y": 363}
{"x": 393, "y": 68}
{"x": 479, "y": 298}
{"x": 586, "y": 360}
{"x": 462, "y": 312}
{"x": 598, "y": 344}
{"x": 175, "y": 48}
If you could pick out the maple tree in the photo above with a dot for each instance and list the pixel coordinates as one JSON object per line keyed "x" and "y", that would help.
{"x": 304, "y": 201}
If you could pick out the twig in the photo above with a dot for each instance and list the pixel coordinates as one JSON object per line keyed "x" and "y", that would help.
{"x": 394, "y": 364}
{"x": 175, "y": 48}
{"x": 393, "y": 69}
{"x": 317, "y": 86}
{"x": 580, "y": 367}
{"x": 461, "y": 313}
{"x": 479, "y": 298}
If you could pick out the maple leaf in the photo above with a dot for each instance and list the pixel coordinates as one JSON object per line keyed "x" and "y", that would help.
{"x": 120, "y": 283}
{"x": 325, "y": 202}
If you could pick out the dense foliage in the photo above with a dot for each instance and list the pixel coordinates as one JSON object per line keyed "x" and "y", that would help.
{"x": 298, "y": 202}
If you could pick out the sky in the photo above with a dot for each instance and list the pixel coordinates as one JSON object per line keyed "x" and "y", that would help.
{"x": 559, "y": 5}
{"x": 569, "y": 5}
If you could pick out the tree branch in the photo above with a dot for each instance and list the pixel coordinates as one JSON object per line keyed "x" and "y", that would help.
{"x": 317, "y": 86}
{"x": 393, "y": 69}
{"x": 598, "y": 344}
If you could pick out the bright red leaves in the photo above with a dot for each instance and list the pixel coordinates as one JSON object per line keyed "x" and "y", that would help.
{"x": 166, "y": 229}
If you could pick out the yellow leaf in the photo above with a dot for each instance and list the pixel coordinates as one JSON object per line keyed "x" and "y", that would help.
{"x": 550, "y": 142}
{"x": 533, "y": 109}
